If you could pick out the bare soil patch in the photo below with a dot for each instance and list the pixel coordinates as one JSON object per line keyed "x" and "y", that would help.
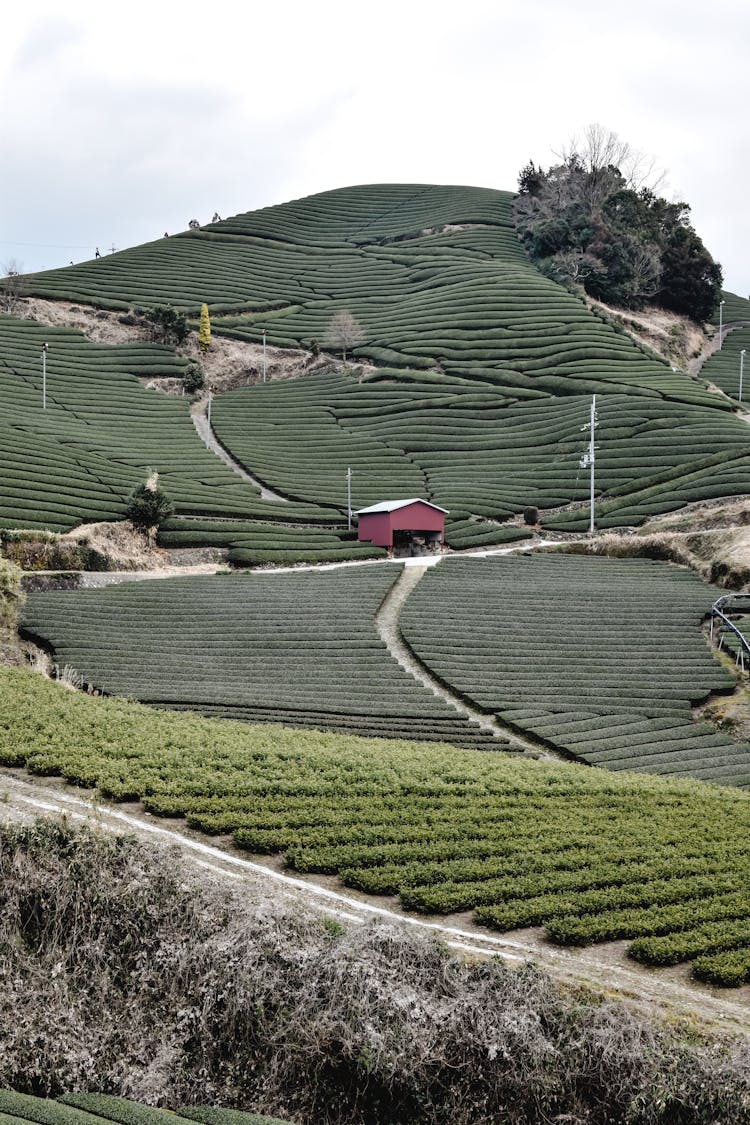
{"x": 124, "y": 546}
{"x": 677, "y": 339}
{"x": 227, "y": 364}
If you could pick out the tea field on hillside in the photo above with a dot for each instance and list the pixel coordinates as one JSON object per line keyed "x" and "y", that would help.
{"x": 723, "y": 367}
{"x": 598, "y": 657}
{"x": 101, "y": 433}
{"x": 485, "y": 368}
{"x": 300, "y": 649}
{"x": 471, "y": 451}
{"x": 98, "y": 1109}
{"x": 433, "y": 274}
{"x": 591, "y": 855}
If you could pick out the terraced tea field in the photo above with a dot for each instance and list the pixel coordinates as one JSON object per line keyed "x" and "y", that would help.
{"x": 471, "y": 451}
{"x": 433, "y": 274}
{"x": 300, "y": 649}
{"x": 98, "y": 1109}
{"x": 588, "y": 854}
{"x": 598, "y": 657}
{"x": 100, "y": 434}
{"x": 485, "y": 367}
{"x": 723, "y": 367}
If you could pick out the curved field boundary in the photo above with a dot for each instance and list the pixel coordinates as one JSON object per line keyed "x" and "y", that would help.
{"x": 387, "y": 623}
{"x": 602, "y": 661}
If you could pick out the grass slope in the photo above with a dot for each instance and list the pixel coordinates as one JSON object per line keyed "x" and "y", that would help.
{"x": 146, "y": 978}
{"x": 592, "y": 855}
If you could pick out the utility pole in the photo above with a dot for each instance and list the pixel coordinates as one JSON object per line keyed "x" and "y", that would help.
{"x": 742, "y": 364}
{"x": 588, "y": 459}
{"x": 264, "y": 355}
{"x": 349, "y": 498}
{"x": 44, "y": 375}
{"x": 721, "y": 324}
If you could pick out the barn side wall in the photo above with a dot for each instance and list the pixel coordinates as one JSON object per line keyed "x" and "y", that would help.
{"x": 376, "y": 528}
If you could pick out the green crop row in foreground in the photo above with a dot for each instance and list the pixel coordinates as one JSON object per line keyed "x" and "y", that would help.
{"x": 96, "y": 1109}
{"x": 585, "y": 853}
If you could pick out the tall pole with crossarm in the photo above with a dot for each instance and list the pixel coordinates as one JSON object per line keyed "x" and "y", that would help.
{"x": 588, "y": 459}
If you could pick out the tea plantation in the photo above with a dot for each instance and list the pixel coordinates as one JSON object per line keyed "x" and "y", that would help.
{"x": 98, "y": 1109}
{"x": 101, "y": 432}
{"x": 472, "y": 451}
{"x": 590, "y": 855}
{"x": 484, "y": 368}
{"x": 598, "y": 657}
{"x": 299, "y": 649}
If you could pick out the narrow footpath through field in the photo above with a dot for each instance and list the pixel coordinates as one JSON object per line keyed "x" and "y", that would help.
{"x": 387, "y": 625}
{"x": 198, "y": 412}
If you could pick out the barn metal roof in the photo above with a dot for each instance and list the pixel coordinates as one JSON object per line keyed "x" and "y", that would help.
{"x": 393, "y": 505}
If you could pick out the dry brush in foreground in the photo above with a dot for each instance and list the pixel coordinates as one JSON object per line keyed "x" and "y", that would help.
{"x": 122, "y": 973}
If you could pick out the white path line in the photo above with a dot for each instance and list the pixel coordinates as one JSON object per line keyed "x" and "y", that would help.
{"x": 249, "y": 867}
{"x": 578, "y": 966}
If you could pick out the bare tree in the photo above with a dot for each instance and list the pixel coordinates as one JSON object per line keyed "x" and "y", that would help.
{"x": 600, "y": 149}
{"x": 646, "y": 264}
{"x": 343, "y": 332}
{"x": 11, "y": 287}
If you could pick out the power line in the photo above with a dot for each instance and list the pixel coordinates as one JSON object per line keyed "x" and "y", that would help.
{"x": 46, "y": 245}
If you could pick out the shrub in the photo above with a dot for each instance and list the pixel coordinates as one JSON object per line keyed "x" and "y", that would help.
{"x": 167, "y": 325}
{"x": 193, "y": 380}
{"x": 11, "y": 596}
{"x": 148, "y": 506}
{"x": 204, "y": 330}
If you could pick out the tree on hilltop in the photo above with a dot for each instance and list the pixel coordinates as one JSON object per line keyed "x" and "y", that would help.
{"x": 596, "y": 221}
{"x": 344, "y": 332}
{"x": 11, "y": 287}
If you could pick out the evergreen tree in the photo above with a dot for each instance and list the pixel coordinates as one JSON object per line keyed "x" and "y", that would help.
{"x": 204, "y": 330}
{"x": 148, "y": 506}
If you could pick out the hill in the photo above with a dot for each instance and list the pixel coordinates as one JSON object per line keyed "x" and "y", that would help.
{"x": 483, "y": 368}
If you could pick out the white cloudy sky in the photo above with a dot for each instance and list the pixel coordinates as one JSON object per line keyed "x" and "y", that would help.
{"x": 120, "y": 122}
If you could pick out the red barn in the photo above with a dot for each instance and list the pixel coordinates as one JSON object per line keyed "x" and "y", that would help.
{"x": 412, "y": 527}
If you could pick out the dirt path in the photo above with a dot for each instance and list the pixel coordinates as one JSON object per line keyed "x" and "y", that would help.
{"x": 604, "y": 968}
{"x": 387, "y": 624}
{"x": 200, "y": 421}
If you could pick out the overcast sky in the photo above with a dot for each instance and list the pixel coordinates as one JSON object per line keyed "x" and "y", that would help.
{"x": 121, "y": 122}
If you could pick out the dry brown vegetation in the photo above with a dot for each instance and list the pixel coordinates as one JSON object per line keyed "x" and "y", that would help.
{"x": 125, "y": 974}
{"x": 713, "y": 542}
{"x": 675, "y": 338}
